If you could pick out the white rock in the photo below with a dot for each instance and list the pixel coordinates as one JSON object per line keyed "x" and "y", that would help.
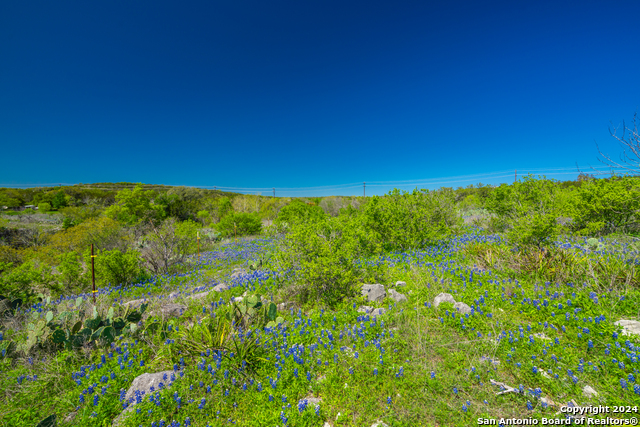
{"x": 589, "y": 392}
{"x": 379, "y": 424}
{"x": 462, "y": 308}
{"x": 397, "y": 296}
{"x": 378, "y": 311}
{"x": 199, "y": 295}
{"x": 629, "y": 327}
{"x": 542, "y": 336}
{"x": 443, "y": 297}
{"x": 143, "y": 383}
{"x": 373, "y": 292}
{"x": 401, "y": 283}
{"x": 221, "y": 287}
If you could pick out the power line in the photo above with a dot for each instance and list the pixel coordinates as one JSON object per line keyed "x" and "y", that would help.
{"x": 600, "y": 170}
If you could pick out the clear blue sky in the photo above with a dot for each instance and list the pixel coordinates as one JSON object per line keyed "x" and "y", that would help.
{"x": 290, "y": 94}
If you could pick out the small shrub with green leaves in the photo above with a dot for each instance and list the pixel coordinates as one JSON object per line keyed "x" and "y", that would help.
{"x": 115, "y": 267}
{"x": 239, "y": 224}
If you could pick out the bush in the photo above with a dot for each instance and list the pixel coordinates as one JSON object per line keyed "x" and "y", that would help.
{"x": 103, "y": 232}
{"x": 44, "y": 207}
{"x": 115, "y": 267}
{"x": 166, "y": 247}
{"x": 72, "y": 275}
{"x": 298, "y": 211}
{"x": 26, "y": 280}
{"x": 239, "y": 224}
{"x": 527, "y": 211}
{"x": 401, "y": 220}
{"x": 322, "y": 255}
{"x": 606, "y": 206}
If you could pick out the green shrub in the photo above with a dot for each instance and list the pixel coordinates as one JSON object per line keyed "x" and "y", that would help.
{"x": 606, "y": 206}
{"x": 26, "y": 280}
{"x": 527, "y": 210}
{"x": 322, "y": 256}
{"x": 401, "y": 220}
{"x": 115, "y": 267}
{"x": 298, "y": 211}
{"x": 71, "y": 272}
{"x": 239, "y": 224}
{"x": 44, "y": 207}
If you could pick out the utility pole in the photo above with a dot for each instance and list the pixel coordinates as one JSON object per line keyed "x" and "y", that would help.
{"x": 274, "y": 192}
{"x": 516, "y": 177}
{"x": 364, "y": 189}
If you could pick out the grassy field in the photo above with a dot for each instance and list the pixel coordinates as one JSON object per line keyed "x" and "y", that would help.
{"x": 530, "y": 345}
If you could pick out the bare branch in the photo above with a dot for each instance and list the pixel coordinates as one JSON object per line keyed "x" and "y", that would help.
{"x": 630, "y": 142}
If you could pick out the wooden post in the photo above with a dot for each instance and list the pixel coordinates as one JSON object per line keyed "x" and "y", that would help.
{"x": 274, "y": 192}
{"x": 516, "y": 177}
{"x": 93, "y": 275}
{"x": 364, "y": 189}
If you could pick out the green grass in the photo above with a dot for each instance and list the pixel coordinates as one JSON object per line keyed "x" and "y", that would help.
{"x": 434, "y": 368}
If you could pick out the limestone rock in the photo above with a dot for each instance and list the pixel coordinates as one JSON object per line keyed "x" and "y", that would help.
{"x": 374, "y": 292}
{"x": 237, "y": 273}
{"x": 170, "y": 310}
{"x": 365, "y": 309}
{"x": 443, "y": 297}
{"x": 199, "y": 295}
{"x": 462, "y": 308}
{"x": 284, "y": 306}
{"x": 313, "y": 400}
{"x": 629, "y": 327}
{"x": 221, "y": 287}
{"x": 378, "y": 312}
{"x": 548, "y": 402}
{"x": 397, "y": 296}
{"x": 379, "y": 424}
{"x": 143, "y": 384}
{"x": 589, "y": 392}
{"x": 401, "y": 283}
{"x": 542, "y": 336}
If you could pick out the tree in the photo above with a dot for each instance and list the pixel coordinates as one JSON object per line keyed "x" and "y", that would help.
{"x": 630, "y": 141}
{"x": 135, "y": 206}
{"x": 59, "y": 200}
{"x": 168, "y": 246}
{"x": 603, "y": 206}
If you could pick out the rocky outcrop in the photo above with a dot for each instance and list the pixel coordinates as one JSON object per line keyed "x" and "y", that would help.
{"x": 374, "y": 292}
{"x": 142, "y": 386}
{"x": 443, "y": 297}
